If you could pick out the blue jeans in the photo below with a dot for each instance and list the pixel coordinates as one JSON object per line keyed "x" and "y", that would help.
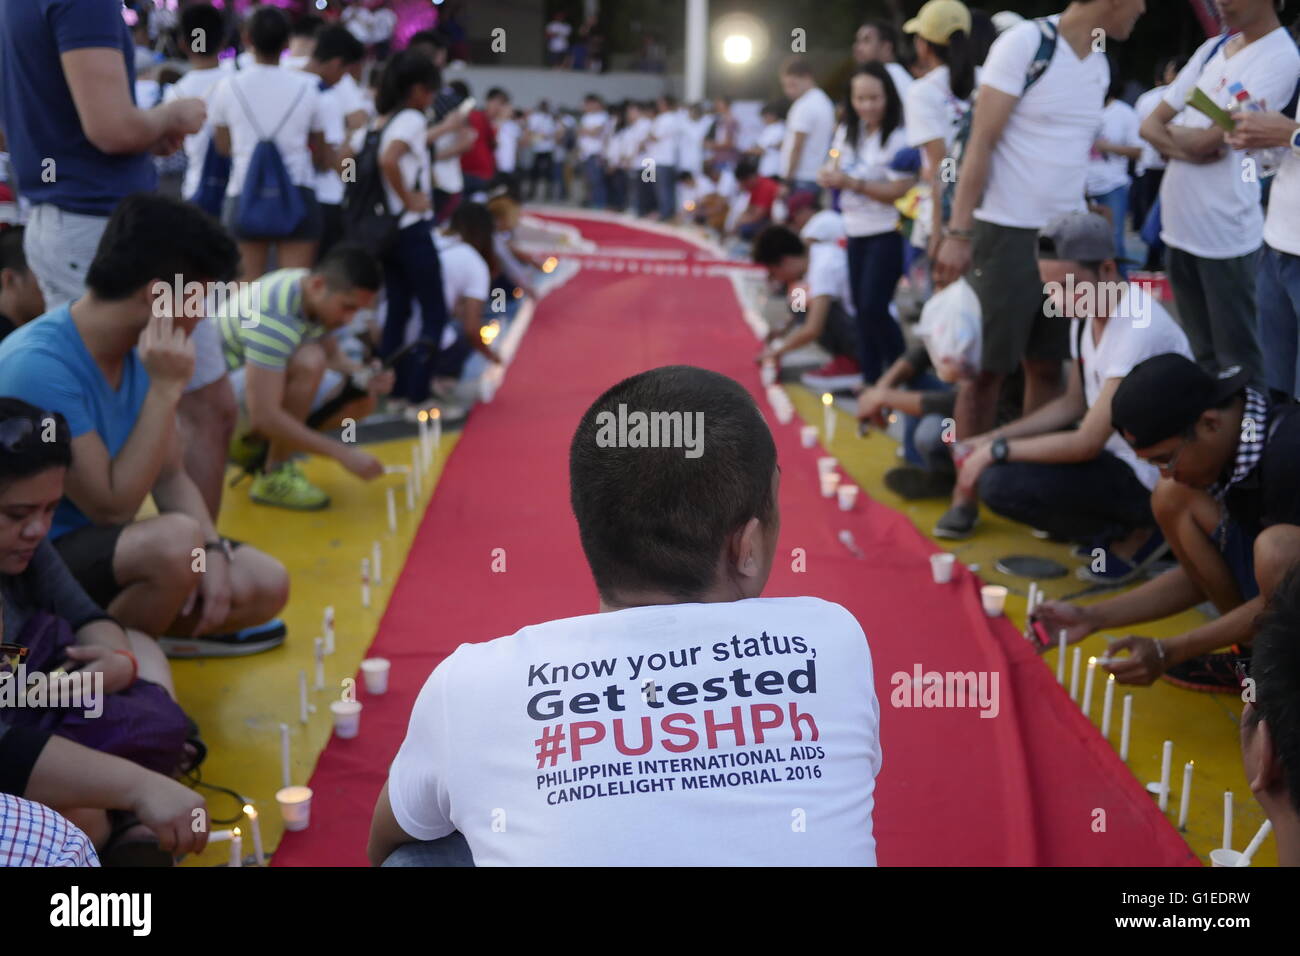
{"x": 451, "y": 850}
{"x": 595, "y": 175}
{"x": 923, "y": 444}
{"x": 412, "y": 272}
{"x": 1277, "y": 293}
{"x": 666, "y": 191}
{"x": 875, "y": 266}
{"x": 1117, "y": 202}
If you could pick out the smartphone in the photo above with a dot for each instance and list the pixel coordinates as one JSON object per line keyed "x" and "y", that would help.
{"x": 1041, "y": 637}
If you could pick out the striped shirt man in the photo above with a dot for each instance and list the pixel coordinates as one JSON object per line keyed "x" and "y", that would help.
{"x": 268, "y": 331}
{"x": 34, "y": 835}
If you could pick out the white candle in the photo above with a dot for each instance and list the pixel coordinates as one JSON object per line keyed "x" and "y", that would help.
{"x": 1227, "y": 820}
{"x": 365, "y": 582}
{"x": 284, "y": 752}
{"x": 417, "y": 471}
{"x": 377, "y": 559}
{"x": 327, "y": 629}
{"x": 1060, "y": 659}
{"x": 319, "y": 651}
{"x": 828, "y": 419}
{"x": 302, "y": 696}
{"x": 236, "y": 848}
{"x": 1074, "y": 676}
{"x": 423, "y": 419}
{"x": 1087, "y": 686}
{"x": 1107, "y": 703}
{"x": 410, "y": 491}
{"x": 392, "y": 510}
{"x": 435, "y": 436}
{"x": 251, "y": 812}
{"x": 1185, "y": 798}
{"x": 1029, "y": 610}
{"x": 1126, "y": 724}
{"x": 1255, "y": 843}
{"x": 1166, "y": 767}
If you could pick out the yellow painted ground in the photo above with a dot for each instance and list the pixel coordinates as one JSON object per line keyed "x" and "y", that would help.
{"x": 239, "y": 703}
{"x": 1203, "y": 727}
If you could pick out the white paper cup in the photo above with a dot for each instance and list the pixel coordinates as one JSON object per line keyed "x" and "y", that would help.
{"x": 826, "y": 463}
{"x": 1222, "y": 857}
{"x": 847, "y": 494}
{"x": 994, "y": 597}
{"x": 769, "y": 373}
{"x": 347, "y": 717}
{"x": 830, "y": 482}
{"x": 375, "y": 672}
{"x": 941, "y": 566}
{"x": 808, "y": 435}
{"x": 295, "y": 807}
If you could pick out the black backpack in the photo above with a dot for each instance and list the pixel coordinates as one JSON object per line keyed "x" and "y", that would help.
{"x": 366, "y": 216}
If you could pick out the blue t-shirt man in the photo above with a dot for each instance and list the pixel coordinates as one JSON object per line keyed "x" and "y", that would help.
{"x": 46, "y": 363}
{"x": 54, "y": 161}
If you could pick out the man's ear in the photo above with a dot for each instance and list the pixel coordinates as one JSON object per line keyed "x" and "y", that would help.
{"x": 1266, "y": 773}
{"x": 746, "y": 556}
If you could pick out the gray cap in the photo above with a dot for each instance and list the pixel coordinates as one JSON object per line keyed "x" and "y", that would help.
{"x": 1081, "y": 237}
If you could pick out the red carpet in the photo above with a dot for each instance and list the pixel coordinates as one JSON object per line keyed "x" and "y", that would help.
{"x": 1028, "y": 787}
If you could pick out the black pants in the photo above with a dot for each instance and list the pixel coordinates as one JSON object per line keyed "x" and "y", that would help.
{"x": 840, "y": 333}
{"x": 412, "y": 273}
{"x": 331, "y": 228}
{"x": 875, "y": 266}
{"x": 543, "y": 169}
{"x": 1142, "y": 196}
{"x": 1101, "y": 498}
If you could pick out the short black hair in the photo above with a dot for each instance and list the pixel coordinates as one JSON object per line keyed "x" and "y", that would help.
{"x": 308, "y": 25}
{"x": 427, "y": 38}
{"x": 11, "y": 250}
{"x": 337, "y": 43}
{"x": 496, "y": 93}
{"x": 31, "y": 453}
{"x": 1275, "y": 668}
{"x": 594, "y": 98}
{"x": 653, "y": 518}
{"x": 774, "y": 108}
{"x": 796, "y": 66}
{"x": 207, "y": 21}
{"x": 350, "y": 265}
{"x": 403, "y": 72}
{"x": 154, "y": 237}
{"x": 460, "y": 87}
{"x": 887, "y": 33}
{"x": 748, "y": 166}
{"x": 268, "y": 31}
{"x": 774, "y": 243}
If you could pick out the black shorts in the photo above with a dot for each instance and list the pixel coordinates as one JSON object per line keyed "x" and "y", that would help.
{"x": 88, "y": 552}
{"x": 1004, "y": 275}
{"x": 309, "y": 229}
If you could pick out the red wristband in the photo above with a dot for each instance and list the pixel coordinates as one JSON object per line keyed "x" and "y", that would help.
{"x": 135, "y": 665}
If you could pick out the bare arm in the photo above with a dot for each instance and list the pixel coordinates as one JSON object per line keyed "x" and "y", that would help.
{"x": 264, "y": 394}
{"x": 1180, "y": 142}
{"x": 796, "y": 151}
{"x": 110, "y": 490}
{"x": 97, "y": 79}
{"x": 992, "y": 110}
{"x": 1061, "y": 412}
{"x": 386, "y": 835}
{"x": 1118, "y": 149}
{"x": 813, "y": 324}
{"x": 221, "y": 139}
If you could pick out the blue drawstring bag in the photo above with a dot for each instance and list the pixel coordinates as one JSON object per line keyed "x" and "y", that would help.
{"x": 270, "y": 206}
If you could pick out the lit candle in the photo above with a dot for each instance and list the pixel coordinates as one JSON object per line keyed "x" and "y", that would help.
{"x": 284, "y": 752}
{"x": 1185, "y": 798}
{"x": 1074, "y": 675}
{"x": 435, "y": 435}
{"x": 365, "y": 582}
{"x": 251, "y": 812}
{"x": 392, "y": 510}
{"x": 1166, "y": 767}
{"x": 1087, "y": 686}
{"x": 302, "y": 696}
{"x": 1125, "y": 725}
{"x": 1227, "y": 820}
{"x": 327, "y": 629}
{"x": 828, "y": 419}
{"x": 377, "y": 560}
{"x": 1060, "y": 659}
{"x": 319, "y": 651}
{"x": 1107, "y": 703}
{"x": 424, "y": 436}
{"x": 236, "y": 848}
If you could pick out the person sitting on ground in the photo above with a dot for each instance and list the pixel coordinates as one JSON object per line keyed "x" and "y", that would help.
{"x": 827, "y": 314}
{"x": 284, "y": 364}
{"x": 762, "y": 191}
{"x": 20, "y": 292}
{"x": 1083, "y": 484}
{"x": 1229, "y": 506}
{"x": 114, "y": 364}
{"x": 679, "y": 578}
{"x": 1270, "y": 733}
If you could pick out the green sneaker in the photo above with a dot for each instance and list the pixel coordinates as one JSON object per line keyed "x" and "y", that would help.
{"x": 287, "y": 487}
{"x": 246, "y": 451}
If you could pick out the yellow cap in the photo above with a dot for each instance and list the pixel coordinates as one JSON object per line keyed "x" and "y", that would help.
{"x": 938, "y": 20}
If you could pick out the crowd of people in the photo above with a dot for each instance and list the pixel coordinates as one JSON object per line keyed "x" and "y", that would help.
{"x": 347, "y": 216}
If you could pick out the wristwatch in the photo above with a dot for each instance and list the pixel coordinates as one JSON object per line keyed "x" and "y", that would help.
{"x": 222, "y": 545}
{"x": 999, "y": 449}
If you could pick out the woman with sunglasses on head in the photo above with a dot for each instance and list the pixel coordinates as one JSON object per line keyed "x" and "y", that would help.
{"x": 50, "y": 626}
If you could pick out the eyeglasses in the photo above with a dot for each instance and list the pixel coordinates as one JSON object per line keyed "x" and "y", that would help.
{"x": 1167, "y": 466}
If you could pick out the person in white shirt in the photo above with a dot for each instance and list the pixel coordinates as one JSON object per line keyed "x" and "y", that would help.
{"x": 1150, "y": 167}
{"x": 541, "y": 137}
{"x": 864, "y": 169}
{"x": 710, "y": 710}
{"x": 1024, "y": 164}
{"x": 616, "y": 186}
{"x": 934, "y": 106}
{"x": 876, "y": 41}
{"x": 693, "y": 128}
{"x": 1211, "y": 220}
{"x": 809, "y": 125}
{"x": 267, "y": 101}
{"x": 1108, "y": 182}
{"x": 635, "y": 143}
{"x": 510, "y": 133}
{"x": 662, "y": 150}
{"x": 558, "y": 31}
{"x": 201, "y": 37}
{"x": 593, "y": 129}
{"x": 565, "y": 136}
{"x": 770, "y": 138}
{"x": 465, "y": 249}
{"x": 336, "y": 51}
{"x": 1082, "y": 484}
{"x": 1278, "y": 283}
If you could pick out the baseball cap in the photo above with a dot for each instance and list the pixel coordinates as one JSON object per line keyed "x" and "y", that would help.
{"x": 938, "y": 20}
{"x": 1166, "y": 394}
{"x": 1080, "y": 237}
